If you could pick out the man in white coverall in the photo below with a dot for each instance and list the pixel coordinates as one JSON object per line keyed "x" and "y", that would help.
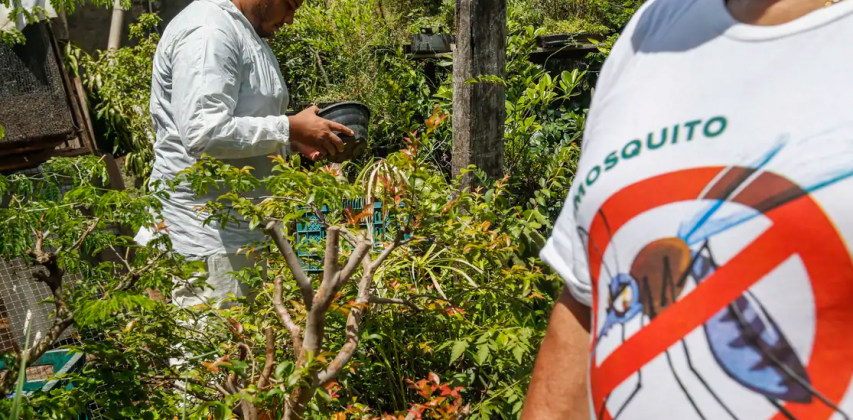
{"x": 217, "y": 90}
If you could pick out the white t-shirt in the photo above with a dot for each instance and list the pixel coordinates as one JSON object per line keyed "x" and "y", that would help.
{"x": 710, "y": 222}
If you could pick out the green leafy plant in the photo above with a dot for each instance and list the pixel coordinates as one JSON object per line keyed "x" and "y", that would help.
{"x": 450, "y": 287}
{"x": 119, "y": 86}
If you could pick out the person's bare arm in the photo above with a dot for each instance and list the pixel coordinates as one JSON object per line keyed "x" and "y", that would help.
{"x": 558, "y": 390}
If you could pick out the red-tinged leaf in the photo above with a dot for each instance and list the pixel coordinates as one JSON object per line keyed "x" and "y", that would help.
{"x": 332, "y": 388}
{"x": 455, "y": 311}
{"x": 434, "y": 378}
{"x": 445, "y": 391}
{"x": 362, "y": 305}
{"x": 235, "y": 327}
{"x": 214, "y": 366}
{"x": 447, "y": 206}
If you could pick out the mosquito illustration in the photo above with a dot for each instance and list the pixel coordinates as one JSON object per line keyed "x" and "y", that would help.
{"x": 744, "y": 339}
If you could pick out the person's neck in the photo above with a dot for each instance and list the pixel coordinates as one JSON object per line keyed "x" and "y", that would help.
{"x": 772, "y": 12}
{"x": 245, "y": 8}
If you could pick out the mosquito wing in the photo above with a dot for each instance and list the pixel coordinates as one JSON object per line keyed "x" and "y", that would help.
{"x": 723, "y": 187}
{"x": 809, "y": 165}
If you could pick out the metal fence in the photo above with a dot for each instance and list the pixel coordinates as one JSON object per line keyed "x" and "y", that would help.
{"x": 21, "y": 293}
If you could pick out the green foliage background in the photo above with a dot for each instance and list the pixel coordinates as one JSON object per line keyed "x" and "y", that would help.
{"x": 485, "y": 294}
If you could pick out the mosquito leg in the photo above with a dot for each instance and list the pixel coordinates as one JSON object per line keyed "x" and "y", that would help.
{"x": 630, "y": 397}
{"x": 681, "y": 385}
{"x": 633, "y": 394}
{"x": 701, "y": 379}
{"x": 781, "y": 409}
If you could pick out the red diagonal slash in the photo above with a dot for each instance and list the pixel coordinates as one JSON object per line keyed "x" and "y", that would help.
{"x": 799, "y": 227}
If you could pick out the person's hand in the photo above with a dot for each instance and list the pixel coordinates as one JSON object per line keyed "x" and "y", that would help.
{"x": 314, "y": 137}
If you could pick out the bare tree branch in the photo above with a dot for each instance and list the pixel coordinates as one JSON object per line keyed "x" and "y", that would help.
{"x": 361, "y": 251}
{"x": 269, "y": 363}
{"x": 292, "y": 328}
{"x": 332, "y": 282}
{"x": 352, "y": 239}
{"x": 329, "y": 288}
{"x": 293, "y": 263}
{"x": 353, "y": 326}
{"x": 334, "y": 278}
{"x": 330, "y": 268}
{"x": 133, "y": 276}
{"x": 316, "y": 323}
{"x": 249, "y": 410}
{"x": 387, "y": 251}
{"x": 85, "y": 234}
{"x": 222, "y": 390}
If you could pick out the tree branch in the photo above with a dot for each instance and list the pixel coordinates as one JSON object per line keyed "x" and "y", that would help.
{"x": 222, "y": 390}
{"x": 133, "y": 276}
{"x": 315, "y": 326}
{"x": 352, "y": 239}
{"x": 85, "y": 234}
{"x": 353, "y": 326}
{"x": 387, "y": 251}
{"x": 330, "y": 268}
{"x": 269, "y": 363}
{"x": 292, "y": 260}
{"x": 361, "y": 251}
{"x": 292, "y": 328}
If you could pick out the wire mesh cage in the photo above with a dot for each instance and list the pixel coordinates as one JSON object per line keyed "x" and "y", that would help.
{"x": 34, "y": 101}
{"x": 21, "y": 294}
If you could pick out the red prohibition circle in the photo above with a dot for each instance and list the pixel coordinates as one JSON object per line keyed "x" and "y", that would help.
{"x": 799, "y": 227}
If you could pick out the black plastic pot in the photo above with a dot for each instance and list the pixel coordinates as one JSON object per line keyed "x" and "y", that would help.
{"x": 356, "y": 116}
{"x": 428, "y": 42}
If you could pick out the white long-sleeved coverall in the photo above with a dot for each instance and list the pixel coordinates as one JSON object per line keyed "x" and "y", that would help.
{"x": 216, "y": 89}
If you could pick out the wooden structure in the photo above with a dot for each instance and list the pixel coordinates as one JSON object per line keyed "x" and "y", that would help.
{"x": 44, "y": 114}
{"x": 42, "y": 110}
{"x": 479, "y": 109}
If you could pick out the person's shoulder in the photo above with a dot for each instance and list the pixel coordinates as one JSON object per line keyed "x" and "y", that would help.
{"x": 657, "y": 17}
{"x": 200, "y": 17}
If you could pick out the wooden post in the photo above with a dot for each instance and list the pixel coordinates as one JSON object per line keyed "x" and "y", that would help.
{"x": 114, "y": 41}
{"x": 479, "y": 109}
